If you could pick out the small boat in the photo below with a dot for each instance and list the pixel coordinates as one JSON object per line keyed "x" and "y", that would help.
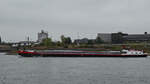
{"x": 75, "y": 53}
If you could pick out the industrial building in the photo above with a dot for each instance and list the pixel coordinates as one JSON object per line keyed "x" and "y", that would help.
{"x": 106, "y": 37}
{"x": 42, "y": 35}
{"x": 81, "y": 41}
{"x": 137, "y": 37}
{"x": 85, "y": 41}
{"x": 118, "y": 38}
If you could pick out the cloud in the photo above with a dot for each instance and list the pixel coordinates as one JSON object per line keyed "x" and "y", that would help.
{"x": 72, "y": 16}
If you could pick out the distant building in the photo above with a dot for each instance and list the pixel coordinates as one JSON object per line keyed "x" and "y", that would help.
{"x": 26, "y": 43}
{"x": 114, "y": 38}
{"x": 137, "y": 37}
{"x": 117, "y": 38}
{"x": 23, "y": 43}
{"x": 85, "y": 41}
{"x": 91, "y": 41}
{"x": 81, "y": 41}
{"x": 105, "y": 37}
{"x": 42, "y": 35}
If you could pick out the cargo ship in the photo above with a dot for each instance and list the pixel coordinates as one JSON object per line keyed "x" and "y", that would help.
{"x": 77, "y": 53}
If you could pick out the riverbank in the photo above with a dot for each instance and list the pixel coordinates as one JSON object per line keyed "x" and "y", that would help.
{"x": 100, "y": 47}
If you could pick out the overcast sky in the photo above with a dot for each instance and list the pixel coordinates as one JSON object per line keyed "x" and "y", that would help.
{"x": 22, "y": 18}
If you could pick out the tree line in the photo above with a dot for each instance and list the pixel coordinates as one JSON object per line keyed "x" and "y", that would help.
{"x": 67, "y": 41}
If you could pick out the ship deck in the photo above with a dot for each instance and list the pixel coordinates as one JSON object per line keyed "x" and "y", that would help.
{"x": 56, "y": 53}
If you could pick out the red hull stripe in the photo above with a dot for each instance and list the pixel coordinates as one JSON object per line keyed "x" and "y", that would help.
{"x": 75, "y": 54}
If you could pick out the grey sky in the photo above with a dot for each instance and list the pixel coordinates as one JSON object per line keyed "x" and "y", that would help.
{"x": 22, "y": 18}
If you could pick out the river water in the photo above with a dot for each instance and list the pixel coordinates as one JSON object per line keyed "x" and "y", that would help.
{"x": 19, "y": 70}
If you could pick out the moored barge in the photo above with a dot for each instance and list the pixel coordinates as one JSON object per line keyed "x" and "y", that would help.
{"x": 74, "y": 53}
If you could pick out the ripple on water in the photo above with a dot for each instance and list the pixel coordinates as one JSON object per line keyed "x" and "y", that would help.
{"x": 16, "y": 70}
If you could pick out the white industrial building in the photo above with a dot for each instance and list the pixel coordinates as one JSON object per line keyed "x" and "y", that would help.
{"x": 42, "y": 35}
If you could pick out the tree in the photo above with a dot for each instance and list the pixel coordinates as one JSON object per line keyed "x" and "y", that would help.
{"x": 65, "y": 40}
{"x": 68, "y": 40}
{"x": 62, "y": 39}
{"x": 47, "y": 42}
{"x": 58, "y": 43}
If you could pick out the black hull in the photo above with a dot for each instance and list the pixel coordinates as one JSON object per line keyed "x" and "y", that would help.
{"x": 77, "y": 55}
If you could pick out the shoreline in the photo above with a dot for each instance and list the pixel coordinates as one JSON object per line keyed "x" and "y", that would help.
{"x": 15, "y": 52}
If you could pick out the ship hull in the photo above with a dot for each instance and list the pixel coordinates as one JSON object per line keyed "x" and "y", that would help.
{"x": 35, "y": 54}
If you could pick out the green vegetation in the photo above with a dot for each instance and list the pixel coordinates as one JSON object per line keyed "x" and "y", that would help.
{"x": 65, "y": 41}
{"x": 92, "y": 45}
{"x": 97, "y": 44}
{"x": 47, "y": 42}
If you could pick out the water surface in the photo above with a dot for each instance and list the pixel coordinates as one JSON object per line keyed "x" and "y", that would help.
{"x": 19, "y": 70}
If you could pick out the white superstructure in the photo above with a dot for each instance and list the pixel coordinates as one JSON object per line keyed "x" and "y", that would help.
{"x": 132, "y": 52}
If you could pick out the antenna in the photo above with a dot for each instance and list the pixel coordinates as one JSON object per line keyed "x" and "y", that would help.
{"x": 28, "y": 39}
